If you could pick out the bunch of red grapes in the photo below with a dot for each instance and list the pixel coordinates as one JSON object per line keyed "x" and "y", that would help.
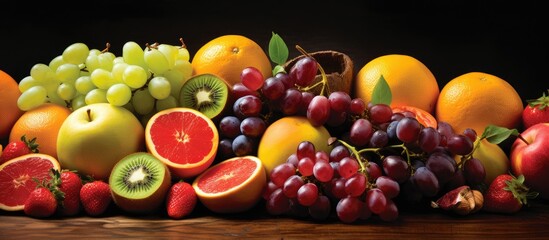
{"x": 378, "y": 160}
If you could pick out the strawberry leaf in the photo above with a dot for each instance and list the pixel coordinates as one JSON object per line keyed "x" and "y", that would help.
{"x": 541, "y": 103}
{"x": 496, "y": 134}
{"x": 382, "y": 92}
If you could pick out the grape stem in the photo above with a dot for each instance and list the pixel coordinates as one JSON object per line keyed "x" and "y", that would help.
{"x": 325, "y": 90}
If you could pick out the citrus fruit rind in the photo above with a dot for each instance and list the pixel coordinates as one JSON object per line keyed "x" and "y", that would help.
{"x": 231, "y": 186}
{"x": 184, "y": 139}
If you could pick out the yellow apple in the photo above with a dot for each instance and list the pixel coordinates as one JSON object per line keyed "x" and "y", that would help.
{"x": 95, "y": 137}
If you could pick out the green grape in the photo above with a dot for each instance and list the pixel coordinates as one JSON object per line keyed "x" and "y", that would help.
{"x": 183, "y": 54}
{"x": 133, "y": 54}
{"x": 117, "y": 60}
{"x": 92, "y": 63}
{"x": 84, "y": 84}
{"x": 76, "y": 53}
{"x": 119, "y": 94}
{"x": 78, "y": 102}
{"x": 54, "y": 98}
{"x": 135, "y": 76}
{"x": 96, "y": 96}
{"x": 33, "y": 97}
{"x": 156, "y": 61}
{"x": 102, "y": 78}
{"x": 129, "y": 106}
{"x": 56, "y": 62}
{"x": 67, "y": 72}
{"x": 166, "y": 103}
{"x": 160, "y": 87}
{"x": 184, "y": 67}
{"x": 26, "y": 83}
{"x": 143, "y": 102}
{"x": 94, "y": 52}
{"x": 118, "y": 71}
{"x": 106, "y": 60}
{"x": 66, "y": 91}
{"x": 176, "y": 81}
{"x": 42, "y": 72}
{"x": 170, "y": 52}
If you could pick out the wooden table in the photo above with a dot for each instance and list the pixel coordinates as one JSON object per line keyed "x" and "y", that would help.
{"x": 420, "y": 223}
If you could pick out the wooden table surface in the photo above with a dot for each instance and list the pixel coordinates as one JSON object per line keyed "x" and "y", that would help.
{"x": 419, "y": 223}
{"x": 451, "y": 38}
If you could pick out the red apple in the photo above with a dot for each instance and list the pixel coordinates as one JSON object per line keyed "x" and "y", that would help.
{"x": 530, "y": 157}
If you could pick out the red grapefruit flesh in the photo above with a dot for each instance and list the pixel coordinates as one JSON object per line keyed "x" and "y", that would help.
{"x": 231, "y": 186}
{"x": 16, "y": 178}
{"x": 184, "y": 139}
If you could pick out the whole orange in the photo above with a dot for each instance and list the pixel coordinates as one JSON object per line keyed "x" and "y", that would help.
{"x": 42, "y": 122}
{"x": 410, "y": 81}
{"x": 477, "y": 99}
{"x": 226, "y": 56}
{"x": 9, "y": 112}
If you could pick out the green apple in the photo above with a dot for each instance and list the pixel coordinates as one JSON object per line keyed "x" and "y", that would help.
{"x": 95, "y": 137}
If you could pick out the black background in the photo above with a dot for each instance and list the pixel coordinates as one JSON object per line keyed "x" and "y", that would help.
{"x": 450, "y": 37}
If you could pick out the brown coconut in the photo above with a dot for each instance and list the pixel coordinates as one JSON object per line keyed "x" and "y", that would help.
{"x": 337, "y": 66}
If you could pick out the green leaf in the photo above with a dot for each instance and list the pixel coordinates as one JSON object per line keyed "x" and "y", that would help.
{"x": 382, "y": 92}
{"x": 278, "y": 69}
{"x": 278, "y": 51}
{"x": 496, "y": 134}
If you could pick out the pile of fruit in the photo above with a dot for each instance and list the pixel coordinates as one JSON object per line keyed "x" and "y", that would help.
{"x": 236, "y": 127}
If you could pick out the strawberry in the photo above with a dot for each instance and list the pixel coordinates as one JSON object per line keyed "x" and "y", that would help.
{"x": 42, "y": 202}
{"x": 18, "y": 148}
{"x": 95, "y": 197}
{"x": 536, "y": 111}
{"x": 181, "y": 200}
{"x": 69, "y": 183}
{"x": 507, "y": 194}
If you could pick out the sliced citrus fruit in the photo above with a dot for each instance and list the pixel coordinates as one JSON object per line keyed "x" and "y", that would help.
{"x": 423, "y": 117}
{"x": 231, "y": 186}
{"x": 184, "y": 139}
{"x": 17, "y": 178}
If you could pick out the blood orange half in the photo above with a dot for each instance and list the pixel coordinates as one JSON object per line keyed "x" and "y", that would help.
{"x": 424, "y": 117}
{"x": 17, "y": 178}
{"x": 184, "y": 139}
{"x": 231, "y": 186}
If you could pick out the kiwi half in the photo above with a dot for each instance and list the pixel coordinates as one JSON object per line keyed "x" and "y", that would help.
{"x": 139, "y": 182}
{"x": 206, "y": 93}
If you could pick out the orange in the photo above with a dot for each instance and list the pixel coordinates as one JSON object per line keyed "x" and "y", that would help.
{"x": 184, "y": 139}
{"x": 475, "y": 100}
{"x": 42, "y": 123}
{"x": 231, "y": 186}
{"x": 226, "y": 56}
{"x": 18, "y": 175}
{"x": 9, "y": 112}
{"x": 410, "y": 81}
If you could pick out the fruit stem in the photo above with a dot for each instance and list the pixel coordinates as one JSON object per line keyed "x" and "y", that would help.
{"x": 182, "y": 43}
{"x": 107, "y": 46}
{"x": 404, "y": 150}
{"x": 523, "y": 139}
{"x": 356, "y": 153}
{"x": 325, "y": 90}
{"x": 89, "y": 114}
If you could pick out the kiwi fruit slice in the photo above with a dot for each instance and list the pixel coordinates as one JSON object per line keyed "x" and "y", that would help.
{"x": 139, "y": 182}
{"x": 206, "y": 93}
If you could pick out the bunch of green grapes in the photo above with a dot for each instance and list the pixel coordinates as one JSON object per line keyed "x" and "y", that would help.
{"x": 144, "y": 80}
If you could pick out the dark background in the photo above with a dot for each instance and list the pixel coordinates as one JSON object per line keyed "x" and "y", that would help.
{"x": 506, "y": 39}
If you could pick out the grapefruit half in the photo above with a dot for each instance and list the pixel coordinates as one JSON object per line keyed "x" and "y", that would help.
{"x": 231, "y": 186}
{"x": 184, "y": 139}
{"x": 17, "y": 178}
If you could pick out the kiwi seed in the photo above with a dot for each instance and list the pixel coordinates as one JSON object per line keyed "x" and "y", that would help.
{"x": 206, "y": 93}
